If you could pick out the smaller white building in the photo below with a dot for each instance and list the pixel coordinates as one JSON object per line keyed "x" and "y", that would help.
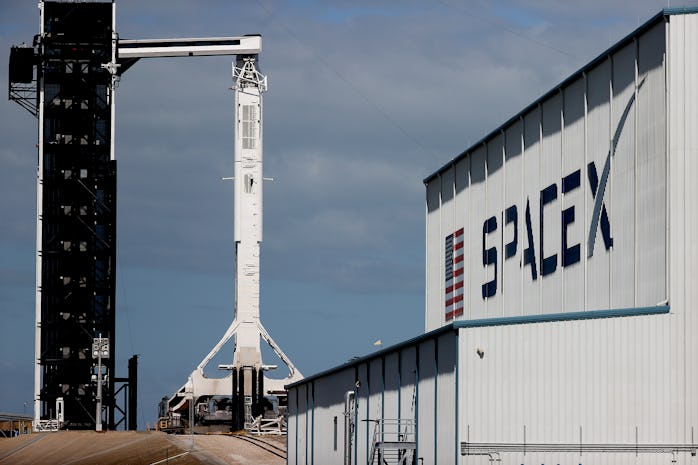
{"x": 403, "y": 398}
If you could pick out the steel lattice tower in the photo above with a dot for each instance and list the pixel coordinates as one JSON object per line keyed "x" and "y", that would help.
{"x": 76, "y": 207}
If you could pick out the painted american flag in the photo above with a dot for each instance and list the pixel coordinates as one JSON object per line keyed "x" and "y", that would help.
{"x": 454, "y": 268}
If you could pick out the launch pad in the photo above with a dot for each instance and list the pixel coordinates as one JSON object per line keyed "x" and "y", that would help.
{"x": 68, "y": 79}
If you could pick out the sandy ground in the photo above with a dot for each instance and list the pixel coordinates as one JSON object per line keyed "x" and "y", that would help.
{"x": 231, "y": 451}
{"x": 131, "y": 448}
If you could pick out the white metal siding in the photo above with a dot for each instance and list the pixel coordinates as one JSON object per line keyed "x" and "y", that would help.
{"x": 376, "y": 397}
{"x": 388, "y": 389}
{"x": 651, "y": 169}
{"x": 302, "y": 426}
{"x": 493, "y": 207}
{"x": 408, "y": 385}
{"x": 622, "y": 189}
{"x": 683, "y": 214}
{"x": 426, "y": 403}
{"x": 329, "y": 405}
{"x": 559, "y": 379}
{"x": 574, "y": 158}
{"x": 293, "y": 432}
{"x": 363, "y": 430}
{"x": 589, "y": 193}
{"x": 477, "y": 274}
{"x": 513, "y": 193}
{"x": 446, "y": 400}
{"x": 598, "y": 146}
{"x": 434, "y": 254}
{"x": 447, "y": 205}
{"x": 391, "y": 392}
{"x": 549, "y": 248}
{"x": 462, "y": 205}
{"x": 530, "y": 302}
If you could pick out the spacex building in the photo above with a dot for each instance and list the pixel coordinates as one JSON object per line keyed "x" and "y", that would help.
{"x": 561, "y": 287}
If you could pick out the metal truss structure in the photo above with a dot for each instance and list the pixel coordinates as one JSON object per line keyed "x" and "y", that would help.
{"x": 76, "y": 210}
{"x": 68, "y": 80}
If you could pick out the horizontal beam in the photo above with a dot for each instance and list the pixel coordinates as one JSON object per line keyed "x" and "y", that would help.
{"x": 483, "y": 448}
{"x": 564, "y": 316}
{"x": 207, "y": 46}
{"x": 15, "y": 416}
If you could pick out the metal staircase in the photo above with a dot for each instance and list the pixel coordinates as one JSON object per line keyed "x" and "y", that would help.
{"x": 394, "y": 442}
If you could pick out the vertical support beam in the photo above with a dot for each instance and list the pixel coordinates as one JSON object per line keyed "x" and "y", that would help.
{"x": 133, "y": 393}
{"x": 234, "y": 424}
{"x": 253, "y": 394}
{"x": 260, "y": 393}
{"x": 39, "y": 231}
{"x": 240, "y": 407}
{"x": 98, "y": 413}
{"x": 112, "y": 67}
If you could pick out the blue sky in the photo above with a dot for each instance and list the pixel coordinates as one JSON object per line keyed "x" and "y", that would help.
{"x": 365, "y": 100}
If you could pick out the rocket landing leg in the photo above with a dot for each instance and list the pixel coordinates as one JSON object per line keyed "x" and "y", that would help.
{"x": 245, "y": 382}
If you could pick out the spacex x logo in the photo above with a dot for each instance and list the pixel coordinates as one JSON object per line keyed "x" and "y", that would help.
{"x": 541, "y": 261}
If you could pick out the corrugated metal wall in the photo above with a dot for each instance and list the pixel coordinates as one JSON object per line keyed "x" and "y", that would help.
{"x": 564, "y": 209}
{"x": 599, "y": 381}
{"x": 534, "y": 372}
{"x": 386, "y": 387}
{"x": 683, "y": 213}
{"x": 603, "y": 381}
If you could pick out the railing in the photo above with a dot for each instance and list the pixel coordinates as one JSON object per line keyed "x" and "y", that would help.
{"x": 46, "y": 425}
{"x": 268, "y": 425}
{"x": 394, "y": 442}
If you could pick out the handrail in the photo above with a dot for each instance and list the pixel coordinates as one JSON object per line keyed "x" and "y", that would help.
{"x": 391, "y": 432}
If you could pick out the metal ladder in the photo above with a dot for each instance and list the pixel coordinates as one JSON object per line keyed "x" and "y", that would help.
{"x": 394, "y": 442}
